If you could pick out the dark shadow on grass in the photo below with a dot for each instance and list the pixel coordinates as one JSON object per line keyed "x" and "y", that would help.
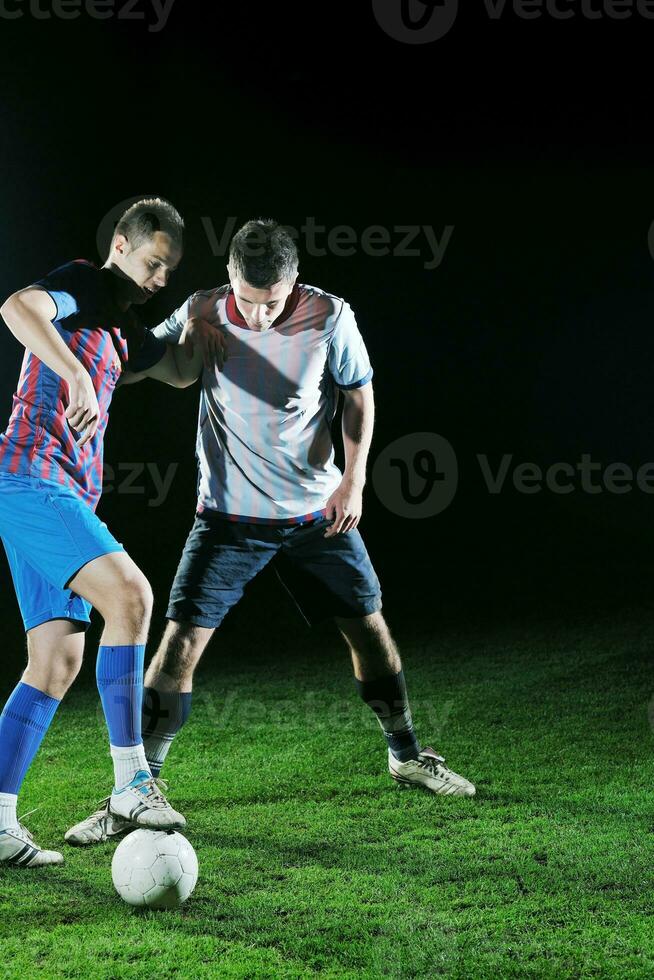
{"x": 543, "y": 805}
{"x": 363, "y": 856}
{"x": 61, "y": 898}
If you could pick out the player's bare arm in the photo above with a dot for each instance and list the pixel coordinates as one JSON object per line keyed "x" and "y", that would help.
{"x": 29, "y": 314}
{"x": 199, "y": 345}
{"x": 174, "y": 368}
{"x": 345, "y": 505}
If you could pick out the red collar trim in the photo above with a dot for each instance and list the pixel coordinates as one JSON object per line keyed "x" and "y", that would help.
{"x": 290, "y": 307}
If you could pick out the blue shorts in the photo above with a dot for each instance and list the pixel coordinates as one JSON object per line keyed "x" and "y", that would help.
{"x": 49, "y": 534}
{"x": 325, "y": 576}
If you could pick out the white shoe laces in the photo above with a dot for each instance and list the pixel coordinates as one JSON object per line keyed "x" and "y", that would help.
{"x": 23, "y": 831}
{"x": 102, "y": 812}
{"x": 155, "y": 785}
{"x": 28, "y": 814}
{"x": 24, "y": 834}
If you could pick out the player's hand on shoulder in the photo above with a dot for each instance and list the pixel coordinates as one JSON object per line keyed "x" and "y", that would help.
{"x": 344, "y": 508}
{"x": 210, "y": 340}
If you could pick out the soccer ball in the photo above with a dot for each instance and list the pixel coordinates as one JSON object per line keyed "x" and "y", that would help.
{"x": 154, "y": 868}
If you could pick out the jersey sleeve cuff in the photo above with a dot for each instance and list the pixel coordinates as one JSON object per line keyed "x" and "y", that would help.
{"x": 357, "y": 384}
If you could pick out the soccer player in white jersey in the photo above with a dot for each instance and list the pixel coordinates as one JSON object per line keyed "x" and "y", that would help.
{"x": 269, "y": 490}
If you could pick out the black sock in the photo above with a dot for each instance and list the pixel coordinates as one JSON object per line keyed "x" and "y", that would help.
{"x": 388, "y": 699}
{"x": 164, "y": 713}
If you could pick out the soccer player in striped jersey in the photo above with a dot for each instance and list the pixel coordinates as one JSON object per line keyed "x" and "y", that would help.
{"x": 80, "y": 335}
{"x": 269, "y": 489}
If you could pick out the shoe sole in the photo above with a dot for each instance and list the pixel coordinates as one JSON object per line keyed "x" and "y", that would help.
{"x": 29, "y": 867}
{"x": 9, "y": 863}
{"x": 143, "y": 810}
{"x": 134, "y": 824}
{"x": 411, "y": 784}
{"x": 404, "y": 783}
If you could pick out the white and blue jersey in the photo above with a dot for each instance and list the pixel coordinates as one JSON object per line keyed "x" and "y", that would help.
{"x": 264, "y": 443}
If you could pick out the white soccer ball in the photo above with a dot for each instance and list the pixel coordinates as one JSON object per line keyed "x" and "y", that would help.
{"x": 154, "y": 868}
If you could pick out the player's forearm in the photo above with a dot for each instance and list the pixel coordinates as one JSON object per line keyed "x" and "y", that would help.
{"x": 188, "y": 369}
{"x": 34, "y": 331}
{"x": 358, "y": 424}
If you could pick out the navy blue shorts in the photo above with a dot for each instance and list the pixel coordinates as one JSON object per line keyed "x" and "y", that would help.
{"x": 325, "y": 576}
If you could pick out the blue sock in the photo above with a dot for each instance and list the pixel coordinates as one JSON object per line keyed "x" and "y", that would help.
{"x": 24, "y": 721}
{"x": 119, "y": 673}
{"x": 164, "y": 713}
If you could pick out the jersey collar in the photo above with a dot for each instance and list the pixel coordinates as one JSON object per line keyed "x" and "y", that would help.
{"x": 234, "y": 316}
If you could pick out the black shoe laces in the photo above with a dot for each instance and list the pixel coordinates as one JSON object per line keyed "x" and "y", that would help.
{"x": 433, "y": 764}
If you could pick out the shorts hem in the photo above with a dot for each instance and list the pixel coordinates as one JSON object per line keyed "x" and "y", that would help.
{"x": 49, "y": 615}
{"x": 363, "y": 609}
{"x": 177, "y": 616}
{"x": 371, "y": 607}
{"x": 79, "y": 563}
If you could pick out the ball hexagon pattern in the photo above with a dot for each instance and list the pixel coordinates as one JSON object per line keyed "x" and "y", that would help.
{"x": 154, "y": 868}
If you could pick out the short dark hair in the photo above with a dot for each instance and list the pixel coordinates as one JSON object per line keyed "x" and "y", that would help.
{"x": 142, "y": 220}
{"x": 263, "y": 253}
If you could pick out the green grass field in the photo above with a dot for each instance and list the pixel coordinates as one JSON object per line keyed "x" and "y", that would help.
{"x": 313, "y": 862}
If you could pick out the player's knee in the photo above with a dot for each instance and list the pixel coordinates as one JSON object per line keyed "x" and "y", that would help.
{"x": 55, "y": 667}
{"x": 131, "y": 600}
{"x": 67, "y": 665}
{"x": 363, "y": 630}
{"x": 368, "y": 635}
{"x": 374, "y": 623}
{"x": 139, "y": 602}
{"x": 182, "y": 648}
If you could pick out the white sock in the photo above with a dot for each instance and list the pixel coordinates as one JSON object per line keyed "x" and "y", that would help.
{"x": 8, "y": 816}
{"x": 127, "y": 762}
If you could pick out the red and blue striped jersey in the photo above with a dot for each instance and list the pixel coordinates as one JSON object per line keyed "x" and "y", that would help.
{"x": 39, "y": 440}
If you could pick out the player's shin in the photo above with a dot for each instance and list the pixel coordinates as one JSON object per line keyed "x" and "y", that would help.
{"x": 119, "y": 674}
{"x": 24, "y": 721}
{"x": 387, "y": 697}
{"x": 164, "y": 713}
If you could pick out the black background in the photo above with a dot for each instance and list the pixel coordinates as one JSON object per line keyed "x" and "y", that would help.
{"x": 534, "y": 337}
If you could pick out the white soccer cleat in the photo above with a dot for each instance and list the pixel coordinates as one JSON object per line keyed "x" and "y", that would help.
{"x": 430, "y": 772}
{"x": 143, "y": 804}
{"x": 99, "y": 827}
{"x": 17, "y": 847}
